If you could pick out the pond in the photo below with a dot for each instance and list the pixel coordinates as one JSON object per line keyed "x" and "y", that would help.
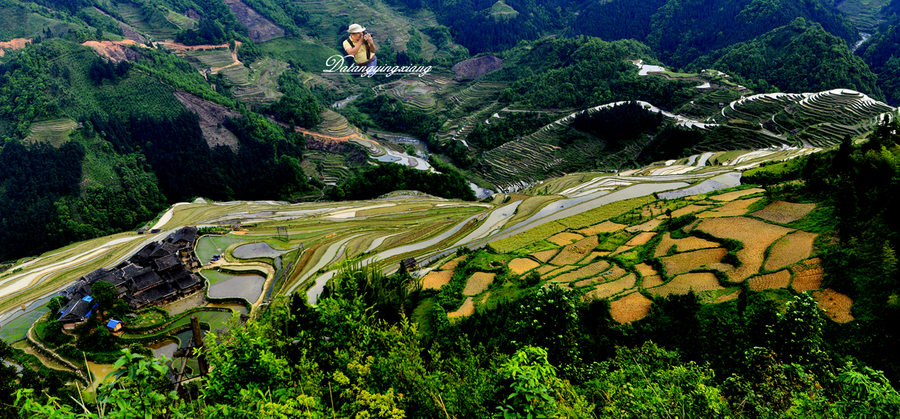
{"x": 229, "y": 285}
{"x": 184, "y": 338}
{"x": 256, "y": 250}
{"x": 166, "y": 347}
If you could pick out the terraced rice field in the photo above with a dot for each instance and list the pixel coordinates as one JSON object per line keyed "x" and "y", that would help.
{"x": 683, "y": 284}
{"x": 451, "y": 265}
{"x": 478, "y": 283}
{"x": 600, "y": 268}
{"x": 688, "y": 261}
{"x": 645, "y": 269}
{"x": 835, "y": 304}
{"x": 782, "y": 212}
{"x": 563, "y": 239}
{"x": 731, "y": 209}
{"x": 731, "y": 196}
{"x": 630, "y": 308}
{"x": 687, "y": 244}
{"x": 651, "y": 281}
{"x": 519, "y": 266}
{"x": 641, "y": 239}
{"x": 777, "y": 280}
{"x": 604, "y": 227}
{"x": 467, "y": 309}
{"x": 575, "y": 251}
{"x": 790, "y": 249}
{"x": 436, "y": 279}
{"x": 553, "y": 271}
{"x": 55, "y": 131}
{"x": 808, "y": 275}
{"x": 610, "y": 289}
{"x": 754, "y": 234}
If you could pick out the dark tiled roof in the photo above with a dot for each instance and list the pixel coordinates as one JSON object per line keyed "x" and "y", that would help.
{"x": 143, "y": 255}
{"x": 187, "y": 281}
{"x": 132, "y": 271}
{"x": 165, "y": 263}
{"x": 76, "y": 310}
{"x": 164, "y": 250}
{"x": 95, "y": 275}
{"x": 159, "y": 292}
{"x": 184, "y": 236}
{"x": 144, "y": 281}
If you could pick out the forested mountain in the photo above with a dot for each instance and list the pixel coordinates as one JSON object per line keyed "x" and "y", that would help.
{"x": 882, "y": 53}
{"x": 799, "y": 57}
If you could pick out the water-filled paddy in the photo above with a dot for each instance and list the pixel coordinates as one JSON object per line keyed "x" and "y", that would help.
{"x": 229, "y": 285}
{"x": 256, "y": 250}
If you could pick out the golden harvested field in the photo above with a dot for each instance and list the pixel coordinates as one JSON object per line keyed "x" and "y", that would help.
{"x": 641, "y": 239}
{"x": 545, "y": 255}
{"x": 690, "y": 227}
{"x": 684, "y": 262}
{"x": 591, "y": 271}
{"x": 478, "y": 282}
{"x": 604, "y": 227}
{"x": 589, "y": 258}
{"x": 808, "y": 275}
{"x": 621, "y": 249}
{"x": 645, "y": 269}
{"x": 558, "y": 271}
{"x": 780, "y": 279}
{"x": 731, "y": 209}
{"x": 837, "y": 305}
{"x": 682, "y": 284}
{"x": 731, "y": 196}
{"x": 754, "y": 234}
{"x": 467, "y": 309}
{"x": 790, "y": 249}
{"x": 629, "y": 308}
{"x": 610, "y": 288}
{"x": 686, "y": 244}
{"x": 519, "y": 266}
{"x": 544, "y": 269}
{"x": 690, "y": 209}
{"x": 564, "y": 238}
{"x": 784, "y": 212}
{"x": 451, "y": 265}
{"x": 436, "y": 279}
{"x": 575, "y": 251}
{"x": 652, "y": 281}
{"x": 647, "y": 226}
{"x": 727, "y": 297}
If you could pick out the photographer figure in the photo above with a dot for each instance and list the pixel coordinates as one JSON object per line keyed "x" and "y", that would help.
{"x": 361, "y": 46}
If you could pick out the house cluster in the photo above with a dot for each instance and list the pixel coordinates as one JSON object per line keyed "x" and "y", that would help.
{"x": 157, "y": 274}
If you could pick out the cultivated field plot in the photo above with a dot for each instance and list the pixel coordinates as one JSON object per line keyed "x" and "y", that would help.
{"x": 651, "y": 281}
{"x": 604, "y": 227}
{"x": 55, "y": 131}
{"x": 519, "y": 266}
{"x": 754, "y": 234}
{"x": 731, "y": 209}
{"x": 557, "y": 271}
{"x": 563, "y": 239}
{"x": 780, "y": 279}
{"x": 690, "y": 209}
{"x": 478, "y": 282}
{"x": 641, "y": 239}
{"x": 731, "y": 196}
{"x": 782, "y": 212}
{"x": 683, "y": 284}
{"x": 590, "y": 258}
{"x": 645, "y": 269}
{"x": 467, "y": 309}
{"x": 808, "y": 275}
{"x": 601, "y": 268}
{"x": 434, "y": 280}
{"x": 545, "y": 255}
{"x": 451, "y": 265}
{"x": 629, "y": 308}
{"x": 688, "y": 261}
{"x": 610, "y": 289}
{"x": 544, "y": 269}
{"x": 837, "y": 305}
{"x": 687, "y": 244}
{"x": 790, "y": 249}
{"x": 647, "y": 226}
{"x": 575, "y": 251}
{"x": 727, "y": 297}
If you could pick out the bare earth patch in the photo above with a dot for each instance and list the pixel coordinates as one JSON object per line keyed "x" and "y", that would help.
{"x": 604, "y": 227}
{"x": 808, "y": 275}
{"x": 731, "y": 209}
{"x": 566, "y": 238}
{"x": 467, "y": 309}
{"x": 629, "y": 308}
{"x": 451, "y": 265}
{"x": 478, "y": 282}
{"x": 780, "y": 279}
{"x": 575, "y": 251}
{"x": 519, "y": 266}
{"x": 682, "y": 284}
{"x": 837, "y": 305}
{"x": 260, "y": 28}
{"x": 545, "y": 255}
{"x": 684, "y": 262}
{"x": 641, "y": 239}
{"x": 474, "y": 68}
{"x": 434, "y": 280}
{"x": 686, "y": 244}
{"x": 754, "y": 234}
{"x": 610, "y": 288}
{"x": 212, "y": 117}
{"x": 731, "y": 196}
{"x": 790, "y": 249}
{"x": 784, "y": 212}
{"x": 17, "y": 43}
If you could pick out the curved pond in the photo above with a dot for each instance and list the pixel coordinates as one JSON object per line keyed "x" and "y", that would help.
{"x": 229, "y": 285}
{"x": 256, "y": 250}
{"x": 166, "y": 348}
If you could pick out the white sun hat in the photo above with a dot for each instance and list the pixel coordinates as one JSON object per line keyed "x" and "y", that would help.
{"x": 355, "y": 28}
